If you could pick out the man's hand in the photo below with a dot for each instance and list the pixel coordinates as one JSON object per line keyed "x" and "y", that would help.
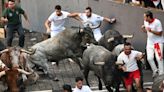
{"x": 112, "y": 20}
{"x": 139, "y": 57}
{"x": 143, "y": 28}
{"x": 122, "y": 67}
{"x": 4, "y": 20}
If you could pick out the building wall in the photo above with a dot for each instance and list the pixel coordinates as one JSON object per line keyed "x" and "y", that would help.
{"x": 129, "y": 18}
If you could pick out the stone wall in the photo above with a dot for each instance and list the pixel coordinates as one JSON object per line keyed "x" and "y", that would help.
{"x": 129, "y": 18}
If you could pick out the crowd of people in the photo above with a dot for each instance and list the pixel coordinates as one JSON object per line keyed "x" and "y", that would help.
{"x": 56, "y": 22}
{"x": 159, "y": 4}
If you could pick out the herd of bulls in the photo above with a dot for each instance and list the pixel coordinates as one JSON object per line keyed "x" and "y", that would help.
{"x": 79, "y": 45}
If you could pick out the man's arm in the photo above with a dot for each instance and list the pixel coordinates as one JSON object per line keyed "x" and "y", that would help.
{"x": 112, "y": 20}
{"x": 4, "y": 16}
{"x": 25, "y": 16}
{"x": 75, "y": 16}
{"x": 140, "y": 56}
{"x": 121, "y": 64}
{"x": 154, "y": 32}
{"x": 47, "y": 25}
{"x": 4, "y": 20}
{"x": 143, "y": 28}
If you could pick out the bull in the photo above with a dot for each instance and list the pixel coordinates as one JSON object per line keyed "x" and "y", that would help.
{"x": 13, "y": 59}
{"x": 113, "y": 40}
{"x": 67, "y": 44}
{"x": 102, "y": 62}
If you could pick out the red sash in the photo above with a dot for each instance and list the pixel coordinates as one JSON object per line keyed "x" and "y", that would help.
{"x": 157, "y": 48}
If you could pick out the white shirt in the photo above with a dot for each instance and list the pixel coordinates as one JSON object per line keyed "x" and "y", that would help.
{"x": 84, "y": 88}
{"x": 130, "y": 61}
{"x": 95, "y": 20}
{"x": 57, "y": 22}
{"x": 155, "y": 26}
{"x": 135, "y": 1}
{"x": 156, "y": 2}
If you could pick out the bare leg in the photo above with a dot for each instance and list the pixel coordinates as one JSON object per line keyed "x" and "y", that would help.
{"x": 138, "y": 85}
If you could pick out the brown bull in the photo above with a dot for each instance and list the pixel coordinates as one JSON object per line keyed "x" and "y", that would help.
{"x": 13, "y": 58}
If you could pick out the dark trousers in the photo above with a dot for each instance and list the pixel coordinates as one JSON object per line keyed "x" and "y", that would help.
{"x": 11, "y": 29}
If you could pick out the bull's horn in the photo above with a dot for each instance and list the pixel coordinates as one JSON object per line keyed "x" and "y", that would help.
{"x": 94, "y": 27}
{"x": 24, "y": 72}
{"x": 2, "y": 73}
{"x": 99, "y": 63}
{"x": 127, "y": 36}
{"x": 3, "y": 51}
{"x": 110, "y": 39}
{"x": 29, "y": 52}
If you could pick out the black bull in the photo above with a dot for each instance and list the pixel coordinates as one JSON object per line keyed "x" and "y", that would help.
{"x": 67, "y": 44}
{"x": 102, "y": 63}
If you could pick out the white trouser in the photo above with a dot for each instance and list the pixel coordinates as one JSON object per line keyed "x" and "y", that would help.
{"x": 54, "y": 33}
{"x": 162, "y": 2}
{"x": 97, "y": 34}
{"x": 150, "y": 57}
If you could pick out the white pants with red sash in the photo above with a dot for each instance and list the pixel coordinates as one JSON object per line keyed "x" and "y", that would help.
{"x": 156, "y": 49}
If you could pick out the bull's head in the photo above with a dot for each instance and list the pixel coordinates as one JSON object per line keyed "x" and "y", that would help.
{"x": 12, "y": 58}
{"x": 112, "y": 38}
{"x": 13, "y": 79}
{"x": 87, "y": 33}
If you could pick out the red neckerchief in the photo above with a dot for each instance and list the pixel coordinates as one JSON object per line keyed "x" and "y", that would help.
{"x": 157, "y": 48}
{"x": 151, "y": 21}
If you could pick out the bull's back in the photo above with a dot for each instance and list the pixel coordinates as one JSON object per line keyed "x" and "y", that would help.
{"x": 51, "y": 43}
{"x": 95, "y": 54}
{"x": 56, "y": 46}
